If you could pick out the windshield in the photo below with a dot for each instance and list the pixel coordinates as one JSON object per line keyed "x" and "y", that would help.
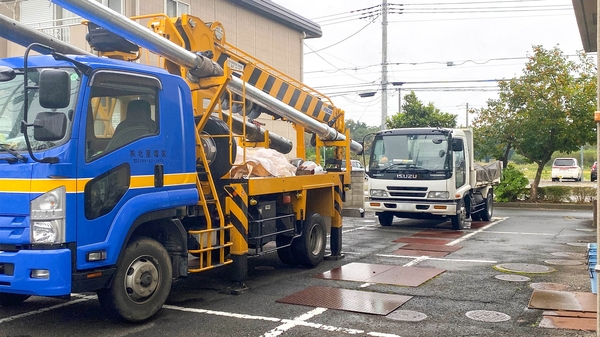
{"x": 410, "y": 152}
{"x": 11, "y": 111}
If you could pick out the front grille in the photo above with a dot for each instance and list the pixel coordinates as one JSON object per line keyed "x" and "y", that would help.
{"x": 408, "y": 194}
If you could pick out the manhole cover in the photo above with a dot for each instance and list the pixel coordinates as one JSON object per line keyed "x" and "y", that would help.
{"x": 549, "y": 286}
{"x": 264, "y": 268}
{"x": 407, "y": 316}
{"x": 577, "y": 244}
{"x": 527, "y": 268}
{"x": 487, "y": 316}
{"x": 513, "y": 278}
{"x": 564, "y": 262}
{"x": 569, "y": 254}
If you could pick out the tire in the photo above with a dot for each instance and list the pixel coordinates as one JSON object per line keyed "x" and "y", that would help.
{"x": 7, "y": 300}
{"x": 217, "y": 148}
{"x": 385, "y": 219}
{"x": 141, "y": 283}
{"x": 458, "y": 220}
{"x": 286, "y": 254}
{"x": 309, "y": 248}
{"x": 486, "y": 214}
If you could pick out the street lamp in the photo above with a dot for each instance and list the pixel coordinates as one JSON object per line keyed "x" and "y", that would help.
{"x": 399, "y": 85}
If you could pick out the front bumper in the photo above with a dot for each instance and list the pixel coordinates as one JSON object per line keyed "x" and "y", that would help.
{"x": 16, "y": 267}
{"x": 425, "y": 207}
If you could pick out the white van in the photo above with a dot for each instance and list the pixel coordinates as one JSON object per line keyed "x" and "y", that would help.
{"x": 566, "y": 168}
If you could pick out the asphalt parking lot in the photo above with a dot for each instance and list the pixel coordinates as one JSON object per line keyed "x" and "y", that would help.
{"x": 466, "y": 299}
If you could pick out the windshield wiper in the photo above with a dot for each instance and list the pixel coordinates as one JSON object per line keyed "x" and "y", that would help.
{"x": 395, "y": 164}
{"x": 13, "y": 152}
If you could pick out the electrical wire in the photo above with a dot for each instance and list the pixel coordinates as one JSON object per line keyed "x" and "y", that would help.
{"x": 342, "y": 40}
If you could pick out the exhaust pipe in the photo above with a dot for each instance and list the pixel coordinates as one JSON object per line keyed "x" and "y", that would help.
{"x": 123, "y": 26}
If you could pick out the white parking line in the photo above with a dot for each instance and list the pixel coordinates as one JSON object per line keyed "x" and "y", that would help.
{"x": 416, "y": 261}
{"x": 424, "y": 258}
{"x": 520, "y": 233}
{"x": 463, "y": 238}
{"x": 294, "y": 322}
{"x": 290, "y": 324}
{"x": 82, "y": 298}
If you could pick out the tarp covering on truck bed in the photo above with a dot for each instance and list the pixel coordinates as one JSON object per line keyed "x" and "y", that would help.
{"x": 488, "y": 173}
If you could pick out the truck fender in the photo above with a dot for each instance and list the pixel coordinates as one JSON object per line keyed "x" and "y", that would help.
{"x": 134, "y": 213}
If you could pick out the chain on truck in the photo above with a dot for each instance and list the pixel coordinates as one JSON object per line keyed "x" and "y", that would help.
{"x": 123, "y": 211}
{"x": 429, "y": 173}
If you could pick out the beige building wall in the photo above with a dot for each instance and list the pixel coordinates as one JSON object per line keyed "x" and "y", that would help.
{"x": 270, "y": 41}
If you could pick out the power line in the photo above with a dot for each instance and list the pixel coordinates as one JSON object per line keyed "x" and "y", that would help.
{"x": 342, "y": 40}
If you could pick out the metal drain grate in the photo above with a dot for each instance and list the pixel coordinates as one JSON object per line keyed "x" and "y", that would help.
{"x": 563, "y": 300}
{"x": 347, "y": 300}
{"x": 407, "y": 316}
{"x": 549, "y": 286}
{"x": 526, "y": 268}
{"x": 513, "y": 278}
{"x": 569, "y": 254}
{"x": 487, "y": 316}
{"x": 377, "y": 273}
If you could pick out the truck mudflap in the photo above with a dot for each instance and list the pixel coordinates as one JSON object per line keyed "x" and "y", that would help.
{"x": 433, "y": 208}
{"x": 36, "y": 272}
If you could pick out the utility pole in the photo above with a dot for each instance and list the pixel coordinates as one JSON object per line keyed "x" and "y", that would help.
{"x": 384, "y": 82}
{"x": 399, "y": 99}
{"x": 467, "y": 116}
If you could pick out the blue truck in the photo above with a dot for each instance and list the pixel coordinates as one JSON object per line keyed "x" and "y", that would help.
{"x": 115, "y": 176}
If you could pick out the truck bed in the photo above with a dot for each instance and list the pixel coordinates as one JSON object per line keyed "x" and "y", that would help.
{"x": 488, "y": 174}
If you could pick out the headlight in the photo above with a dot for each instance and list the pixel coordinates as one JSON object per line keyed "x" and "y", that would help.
{"x": 438, "y": 195}
{"x": 379, "y": 193}
{"x": 48, "y": 217}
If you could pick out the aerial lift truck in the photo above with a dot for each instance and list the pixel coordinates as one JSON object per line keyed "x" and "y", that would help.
{"x": 116, "y": 177}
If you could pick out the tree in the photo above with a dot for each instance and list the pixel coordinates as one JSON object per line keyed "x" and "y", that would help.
{"x": 492, "y": 132}
{"x": 549, "y": 108}
{"x": 415, "y": 114}
{"x": 358, "y": 131}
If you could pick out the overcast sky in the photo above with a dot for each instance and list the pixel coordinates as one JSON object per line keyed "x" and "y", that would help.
{"x": 484, "y": 39}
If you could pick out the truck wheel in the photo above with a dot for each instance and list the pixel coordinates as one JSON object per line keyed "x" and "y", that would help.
{"x": 217, "y": 148}
{"x": 142, "y": 282}
{"x": 486, "y": 214}
{"x": 385, "y": 219}
{"x": 7, "y": 299}
{"x": 458, "y": 220}
{"x": 286, "y": 254}
{"x": 309, "y": 248}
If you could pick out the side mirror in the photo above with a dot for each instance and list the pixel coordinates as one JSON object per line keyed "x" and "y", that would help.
{"x": 457, "y": 145}
{"x": 55, "y": 89}
{"x": 7, "y": 74}
{"x": 49, "y": 126}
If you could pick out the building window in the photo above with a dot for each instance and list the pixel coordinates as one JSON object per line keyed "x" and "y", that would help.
{"x": 115, "y": 5}
{"x": 177, "y": 8}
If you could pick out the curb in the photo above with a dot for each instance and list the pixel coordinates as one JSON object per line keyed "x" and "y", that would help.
{"x": 539, "y": 205}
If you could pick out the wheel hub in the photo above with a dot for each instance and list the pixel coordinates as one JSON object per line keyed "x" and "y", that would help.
{"x": 142, "y": 279}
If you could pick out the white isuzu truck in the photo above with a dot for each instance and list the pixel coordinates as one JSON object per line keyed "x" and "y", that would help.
{"x": 428, "y": 173}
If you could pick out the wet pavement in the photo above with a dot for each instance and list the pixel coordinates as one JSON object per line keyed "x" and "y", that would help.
{"x": 467, "y": 299}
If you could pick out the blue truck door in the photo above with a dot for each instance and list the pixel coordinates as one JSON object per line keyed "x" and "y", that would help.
{"x": 120, "y": 160}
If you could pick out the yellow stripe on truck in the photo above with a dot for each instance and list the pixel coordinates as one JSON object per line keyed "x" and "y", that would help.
{"x": 78, "y": 185}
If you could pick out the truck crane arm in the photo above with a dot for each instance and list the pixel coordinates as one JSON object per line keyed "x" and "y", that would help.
{"x": 177, "y": 40}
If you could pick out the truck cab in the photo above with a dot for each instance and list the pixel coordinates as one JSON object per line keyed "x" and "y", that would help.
{"x": 424, "y": 173}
